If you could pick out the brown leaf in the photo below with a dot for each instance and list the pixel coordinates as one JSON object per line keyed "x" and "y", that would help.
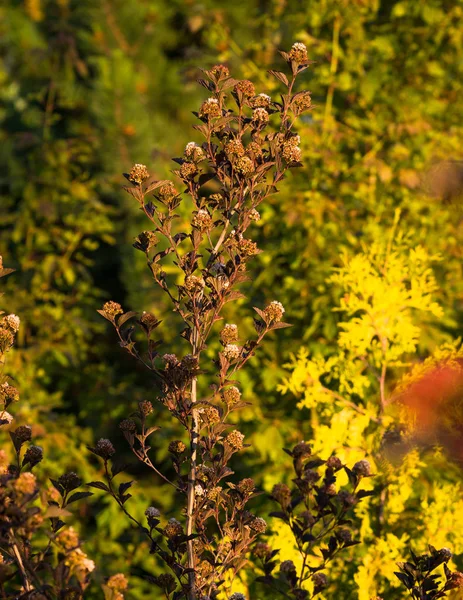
{"x": 56, "y": 511}
{"x": 261, "y": 313}
{"x": 125, "y": 317}
{"x": 6, "y": 271}
{"x": 280, "y": 76}
{"x": 152, "y": 185}
{"x": 103, "y": 314}
{"x": 234, "y": 295}
{"x": 280, "y": 325}
{"x": 134, "y": 191}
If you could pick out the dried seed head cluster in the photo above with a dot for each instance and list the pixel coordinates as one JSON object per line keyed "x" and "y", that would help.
{"x": 362, "y": 468}
{"x": 210, "y": 109}
{"x": 231, "y": 395}
{"x": 229, "y": 334}
{"x": 246, "y": 88}
{"x": 25, "y": 484}
{"x": 261, "y": 101}
{"x": 210, "y": 415}
{"x": 68, "y": 539}
{"x": 9, "y": 393}
{"x": 116, "y": 585}
{"x": 220, "y": 71}
{"x": 246, "y": 247}
{"x": 298, "y": 53}
{"x": 12, "y": 321}
{"x": 193, "y": 152}
{"x": 128, "y": 425}
{"x": 104, "y": 448}
{"x": 33, "y": 455}
{"x": 188, "y": 170}
{"x": 145, "y": 407}
{"x": 177, "y": 447}
{"x": 302, "y": 102}
{"x": 234, "y": 148}
{"x": 167, "y": 191}
{"x": 245, "y": 166}
{"x": 290, "y": 152}
{"x": 146, "y": 240}
{"x": 202, "y": 220}
{"x": 260, "y": 118}
{"x": 5, "y": 418}
{"x": 258, "y": 525}
{"x": 112, "y": 309}
{"x": 194, "y": 283}
{"x": 254, "y": 215}
{"x": 138, "y": 174}
{"x": 152, "y": 513}
{"x": 282, "y": 494}
{"x": 173, "y": 528}
{"x": 235, "y": 440}
{"x": 274, "y": 311}
{"x": 231, "y": 351}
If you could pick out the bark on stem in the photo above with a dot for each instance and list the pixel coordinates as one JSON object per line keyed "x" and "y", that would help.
{"x": 17, "y": 555}
{"x": 191, "y": 492}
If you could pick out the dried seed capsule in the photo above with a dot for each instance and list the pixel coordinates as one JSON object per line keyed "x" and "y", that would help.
{"x": 138, "y": 174}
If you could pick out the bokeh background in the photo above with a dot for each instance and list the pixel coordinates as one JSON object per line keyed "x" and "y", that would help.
{"x": 87, "y": 88}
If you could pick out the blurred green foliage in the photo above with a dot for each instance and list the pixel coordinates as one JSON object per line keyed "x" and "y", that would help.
{"x": 88, "y": 88}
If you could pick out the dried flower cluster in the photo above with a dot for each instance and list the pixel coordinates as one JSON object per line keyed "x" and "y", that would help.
{"x": 245, "y": 154}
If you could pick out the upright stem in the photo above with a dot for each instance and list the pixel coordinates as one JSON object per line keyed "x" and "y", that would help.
{"x": 194, "y": 435}
{"x": 27, "y": 586}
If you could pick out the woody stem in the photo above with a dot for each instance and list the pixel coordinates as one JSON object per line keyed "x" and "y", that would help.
{"x": 194, "y": 435}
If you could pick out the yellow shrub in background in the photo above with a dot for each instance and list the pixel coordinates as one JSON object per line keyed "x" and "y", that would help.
{"x": 351, "y": 402}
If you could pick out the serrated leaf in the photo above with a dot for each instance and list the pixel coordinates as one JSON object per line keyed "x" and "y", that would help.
{"x": 151, "y": 430}
{"x": 103, "y": 314}
{"x": 405, "y": 579}
{"x": 99, "y": 485}
{"x": 155, "y": 184}
{"x": 134, "y": 191}
{"x": 280, "y": 76}
{"x": 117, "y": 468}
{"x": 261, "y": 314}
{"x": 79, "y": 496}
{"x": 125, "y": 317}
{"x": 234, "y": 295}
{"x": 206, "y": 84}
{"x": 56, "y": 511}
{"x": 205, "y": 177}
{"x": 279, "y": 515}
{"x": 280, "y": 325}
{"x": 4, "y": 271}
{"x": 57, "y": 485}
{"x": 202, "y": 129}
{"x": 124, "y": 487}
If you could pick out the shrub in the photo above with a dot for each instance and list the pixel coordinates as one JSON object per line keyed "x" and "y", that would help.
{"x": 226, "y": 178}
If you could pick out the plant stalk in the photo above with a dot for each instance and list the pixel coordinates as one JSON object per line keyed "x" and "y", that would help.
{"x": 27, "y": 585}
{"x": 194, "y": 435}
